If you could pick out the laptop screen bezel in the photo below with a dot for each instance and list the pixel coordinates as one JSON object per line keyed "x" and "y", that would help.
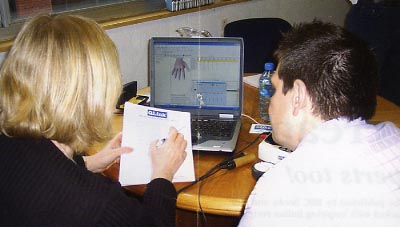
{"x": 199, "y": 111}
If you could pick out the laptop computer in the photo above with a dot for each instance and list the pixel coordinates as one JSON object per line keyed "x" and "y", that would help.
{"x": 202, "y": 76}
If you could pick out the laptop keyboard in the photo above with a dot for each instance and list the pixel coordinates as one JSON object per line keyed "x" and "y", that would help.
{"x": 206, "y": 129}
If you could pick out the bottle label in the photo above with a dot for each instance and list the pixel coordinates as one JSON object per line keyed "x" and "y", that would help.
{"x": 266, "y": 90}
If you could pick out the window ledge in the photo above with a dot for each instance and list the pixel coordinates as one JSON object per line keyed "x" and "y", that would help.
{"x": 124, "y": 20}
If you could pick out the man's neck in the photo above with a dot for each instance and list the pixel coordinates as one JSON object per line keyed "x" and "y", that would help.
{"x": 308, "y": 125}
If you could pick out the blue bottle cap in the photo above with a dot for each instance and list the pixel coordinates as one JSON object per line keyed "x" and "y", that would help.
{"x": 269, "y": 66}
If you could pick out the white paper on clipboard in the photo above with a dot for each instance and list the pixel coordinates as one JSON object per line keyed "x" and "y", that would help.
{"x": 141, "y": 126}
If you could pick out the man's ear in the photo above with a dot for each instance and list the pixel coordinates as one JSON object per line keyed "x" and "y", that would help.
{"x": 299, "y": 96}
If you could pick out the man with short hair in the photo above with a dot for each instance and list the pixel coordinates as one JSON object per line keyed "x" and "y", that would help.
{"x": 343, "y": 171}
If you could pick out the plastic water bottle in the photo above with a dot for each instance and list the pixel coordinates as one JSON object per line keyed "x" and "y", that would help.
{"x": 266, "y": 90}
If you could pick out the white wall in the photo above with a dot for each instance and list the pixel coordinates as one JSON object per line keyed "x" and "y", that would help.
{"x": 132, "y": 40}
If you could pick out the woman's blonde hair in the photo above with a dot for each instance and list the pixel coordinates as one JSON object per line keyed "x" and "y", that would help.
{"x": 60, "y": 81}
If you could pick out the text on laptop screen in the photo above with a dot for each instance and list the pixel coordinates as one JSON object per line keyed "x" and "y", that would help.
{"x": 197, "y": 75}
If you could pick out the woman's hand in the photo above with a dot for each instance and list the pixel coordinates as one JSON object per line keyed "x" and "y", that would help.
{"x": 168, "y": 157}
{"x": 107, "y": 156}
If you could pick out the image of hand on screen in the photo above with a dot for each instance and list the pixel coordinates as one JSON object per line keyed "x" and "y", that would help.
{"x": 179, "y": 69}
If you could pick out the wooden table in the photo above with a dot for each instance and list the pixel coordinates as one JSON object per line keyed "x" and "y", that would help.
{"x": 226, "y": 192}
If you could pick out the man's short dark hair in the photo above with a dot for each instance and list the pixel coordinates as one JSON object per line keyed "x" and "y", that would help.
{"x": 338, "y": 69}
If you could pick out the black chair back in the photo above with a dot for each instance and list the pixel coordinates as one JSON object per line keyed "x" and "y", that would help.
{"x": 261, "y": 37}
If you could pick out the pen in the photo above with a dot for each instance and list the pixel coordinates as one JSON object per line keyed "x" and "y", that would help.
{"x": 162, "y": 140}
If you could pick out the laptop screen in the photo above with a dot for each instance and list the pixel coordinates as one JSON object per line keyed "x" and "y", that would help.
{"x": 198, "y": 75}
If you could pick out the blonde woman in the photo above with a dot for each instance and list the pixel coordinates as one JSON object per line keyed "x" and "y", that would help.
{"x": 58, "y": 87}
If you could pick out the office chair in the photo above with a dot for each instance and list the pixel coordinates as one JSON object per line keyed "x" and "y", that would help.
{"x": 378, "y": 24}
{"x": 260, "y": 37}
